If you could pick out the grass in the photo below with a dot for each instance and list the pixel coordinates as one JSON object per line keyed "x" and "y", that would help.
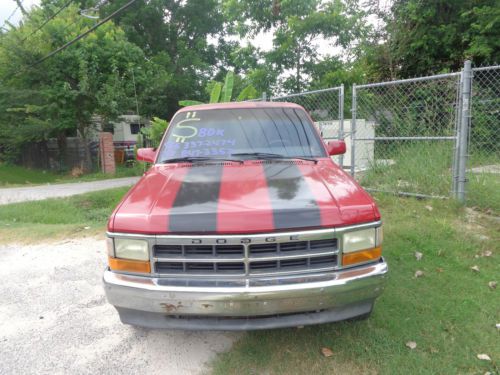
{"x": 425, "y": 168}
{"x": 418, "y": 168}
{"x": 483, "y": 191}
{"x": 450, "y": 312}
{"x": 13, "y": 175}
{"x": 60, "y": 218}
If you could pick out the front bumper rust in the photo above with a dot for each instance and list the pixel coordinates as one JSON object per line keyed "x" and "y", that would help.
{"x": 339, "y": 295}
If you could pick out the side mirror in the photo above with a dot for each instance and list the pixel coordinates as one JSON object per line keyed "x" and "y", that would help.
{"x": 335, "y": 147}
{"x": 146, "y": 154}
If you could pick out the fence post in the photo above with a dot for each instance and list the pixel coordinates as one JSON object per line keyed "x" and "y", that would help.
{"x": 341, "y": 121}
{"x": 456, "y": 150}
{"x": 353, "y": 130}
{"x": 464, "y": 131}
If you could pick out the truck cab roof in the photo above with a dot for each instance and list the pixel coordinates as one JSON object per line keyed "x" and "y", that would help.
{"x": 240, "y": 105}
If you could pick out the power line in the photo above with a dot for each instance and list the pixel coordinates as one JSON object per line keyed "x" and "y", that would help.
{"x": 13, "y": 12}
{"x": 82, "y": 13}
{"x": 95, "y": 8}
{"x": 81, "y": 36}
{"x": 70, "y": 24}
{"x": 48, "y": 20}
{"x": 8, "y": 18}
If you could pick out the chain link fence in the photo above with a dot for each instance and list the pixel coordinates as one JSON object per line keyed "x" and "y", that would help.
{"x": 425, "y": 137}
{"x": 405, "y": 135}
{"x": 326, "y": 108}
{"x": 483, "y": 169}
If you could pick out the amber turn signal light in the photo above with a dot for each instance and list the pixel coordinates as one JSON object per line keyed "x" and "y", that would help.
{"x": 361, "y": 256}
{"x": 117, "y": 264}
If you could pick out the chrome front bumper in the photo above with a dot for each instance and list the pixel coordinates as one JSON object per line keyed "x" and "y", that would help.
{"x": 291, "y": 301}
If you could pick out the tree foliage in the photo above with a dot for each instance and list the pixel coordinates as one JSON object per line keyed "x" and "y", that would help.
{"x": 424, "y": 37}
{"x": 298, "y": 26}
{"x": 94, "y": 77}
{"x": 223, "y": 93}
{"x": 179, "y": 36}
{"x": 160, "y": 51}
{"x": 154, "y": 133}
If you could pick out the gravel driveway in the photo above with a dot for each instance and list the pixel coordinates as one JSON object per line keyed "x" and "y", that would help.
{"x": 54, "y": 319}
{"x": 35, "y": 193}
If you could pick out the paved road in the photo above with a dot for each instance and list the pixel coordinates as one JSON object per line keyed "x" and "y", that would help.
{"x": 34, "y": 193}
{"x": 54, "y": 319}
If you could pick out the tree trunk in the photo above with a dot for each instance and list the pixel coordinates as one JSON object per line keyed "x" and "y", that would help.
{"x": 62, "y": 146}
{"x": 87, "y": 158}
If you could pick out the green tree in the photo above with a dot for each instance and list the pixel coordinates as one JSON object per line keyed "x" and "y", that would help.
{"x": 332, "y": 72}
{"x": 154, "y": 133}
{"x": 297, "y": 27}
{"x": 185, "y": 37}
{"x": 223, "y": 92}
{"x": 250, "y": 67}
{"x": 94, "y": 77}
{"x": 424, "y": 37}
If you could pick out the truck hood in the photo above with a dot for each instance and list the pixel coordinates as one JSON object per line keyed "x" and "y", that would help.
{"x": 253, "y": 197}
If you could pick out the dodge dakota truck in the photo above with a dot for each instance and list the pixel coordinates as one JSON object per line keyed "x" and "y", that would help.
{"x": 244, "y": 222}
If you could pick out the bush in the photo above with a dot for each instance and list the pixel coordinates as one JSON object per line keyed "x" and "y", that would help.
{"x": 154, "y": 133}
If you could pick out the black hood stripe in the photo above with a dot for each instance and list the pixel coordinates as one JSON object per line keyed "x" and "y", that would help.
{"x": 293, "y": 203}
{"x": 195, "y": 206}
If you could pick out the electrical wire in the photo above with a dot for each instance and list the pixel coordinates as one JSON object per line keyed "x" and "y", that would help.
{"x": 8, "y": 18}
{"x": 48, "y": 20}
{"x": 95, "y": 8}
{"x": 82, "y": 13}
{"x": 81, "y": 36}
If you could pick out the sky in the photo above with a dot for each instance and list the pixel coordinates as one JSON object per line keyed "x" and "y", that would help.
{"x": 8, "y": 6}
{"x": 262, "y": 40}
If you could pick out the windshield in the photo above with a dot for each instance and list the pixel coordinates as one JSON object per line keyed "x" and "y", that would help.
{"x": 221, "y": 133}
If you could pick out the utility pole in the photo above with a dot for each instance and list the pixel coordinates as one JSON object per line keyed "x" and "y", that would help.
{"x": 20, "y": 5}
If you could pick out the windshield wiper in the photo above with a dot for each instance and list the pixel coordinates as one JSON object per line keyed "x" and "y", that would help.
{"x": 268, "y": 156}
{"x": 192, "y": 159}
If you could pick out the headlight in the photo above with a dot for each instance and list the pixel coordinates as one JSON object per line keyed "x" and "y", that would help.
{"x": 379, "y": 236}
{"x": 131, "y": 249}
{"x": 362, "y": 246}
{"x": 359, "y": 240}
{"x": 110, "y": 246}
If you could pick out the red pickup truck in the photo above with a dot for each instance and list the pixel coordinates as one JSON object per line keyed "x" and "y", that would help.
{"x": 244, "y": 222}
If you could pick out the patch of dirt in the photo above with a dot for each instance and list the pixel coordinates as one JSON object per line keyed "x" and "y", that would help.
{"x": 53, "y": 307}
{"x": 493, "y": 168}
{"x": 476, "y": 223}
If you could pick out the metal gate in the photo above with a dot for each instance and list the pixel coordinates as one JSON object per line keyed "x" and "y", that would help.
{"x": 483, "y": 164}
{"x": 415, "y": 136}
{"x": 409, "y": 133}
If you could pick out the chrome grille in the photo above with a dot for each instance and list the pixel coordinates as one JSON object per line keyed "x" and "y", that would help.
{"x": 254, "y": 255}
{"x": 181, "y": 267}
{"x": 195, "y": 251}
{"x": 294, "y": 264}
{"x": 308, "y": 247}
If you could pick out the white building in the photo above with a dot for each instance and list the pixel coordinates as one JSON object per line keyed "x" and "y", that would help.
{"x": 365, "y": 147}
